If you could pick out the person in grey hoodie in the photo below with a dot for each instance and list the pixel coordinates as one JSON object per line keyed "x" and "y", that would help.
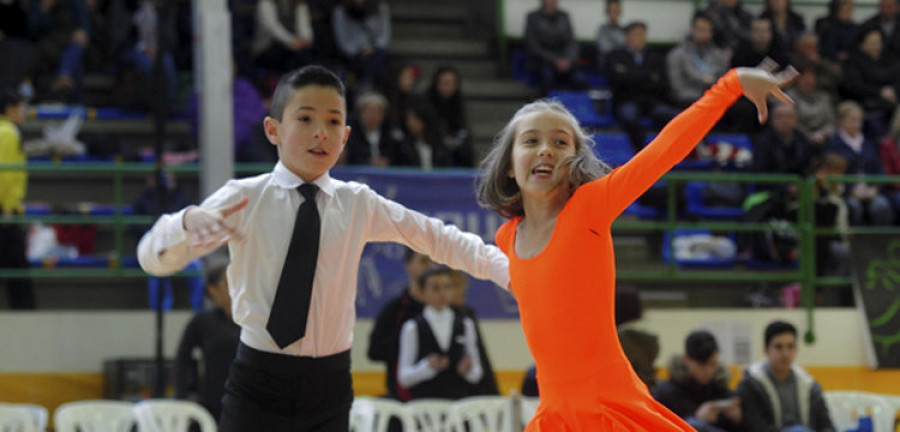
{"x": 776, "y": 394}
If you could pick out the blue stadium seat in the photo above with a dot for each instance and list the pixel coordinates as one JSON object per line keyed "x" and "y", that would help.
{"x": 519, "y": 69}
{"x": 670, "y": 236}
{"x": 613, "y": 148}
{"x": 582, "y": 107}
{"x": 693, "y": 192}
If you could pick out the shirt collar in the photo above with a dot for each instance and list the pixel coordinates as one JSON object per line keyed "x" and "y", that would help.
{"x": 433, "y": 313}
{"x": 283, "y": 177}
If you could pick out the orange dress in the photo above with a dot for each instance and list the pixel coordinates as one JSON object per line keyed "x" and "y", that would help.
{"x": 566, "y": 292}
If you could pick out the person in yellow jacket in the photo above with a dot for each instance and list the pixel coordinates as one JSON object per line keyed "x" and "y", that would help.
{"x": 12, "y": 190}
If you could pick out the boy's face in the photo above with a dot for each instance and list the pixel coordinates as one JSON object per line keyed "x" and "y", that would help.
{"x": 312, "y": 131}
{"x": 16, "y": 113}
{"x": 704, "y": 372}
{"x": 219, "y": 294}
{"x": 437, "y": 291}
{"x": 781, "y": 351}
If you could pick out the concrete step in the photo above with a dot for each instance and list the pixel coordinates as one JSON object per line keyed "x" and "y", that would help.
{"x": 431, "y": 47}
{"x": 406, "y": 10}
{"x": 495, "y": 89}
{"x": 469, "y": 68}
{"x": 143, "y": 127}
{"x": 419, "y": 29}
{"x": 483, "y": 110}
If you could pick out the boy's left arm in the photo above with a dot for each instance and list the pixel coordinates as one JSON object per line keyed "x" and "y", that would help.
{"x": 476, "y": 371}
{"x": 446, "y": 244}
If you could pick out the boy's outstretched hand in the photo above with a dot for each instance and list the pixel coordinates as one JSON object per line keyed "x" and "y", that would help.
{"x": 758, "y": 83}
{"x": 207, "y": 227}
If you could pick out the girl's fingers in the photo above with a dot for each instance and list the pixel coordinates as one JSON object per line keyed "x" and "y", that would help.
{"x": 787, "y": 76}
{"x": 782, "y": 96}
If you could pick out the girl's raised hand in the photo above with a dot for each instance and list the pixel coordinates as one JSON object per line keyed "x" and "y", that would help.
{"x": 207, "y": 227}
{"x": 758, "y": 83}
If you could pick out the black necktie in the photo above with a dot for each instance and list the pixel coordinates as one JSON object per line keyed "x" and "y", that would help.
{"x": 287, "y": 320}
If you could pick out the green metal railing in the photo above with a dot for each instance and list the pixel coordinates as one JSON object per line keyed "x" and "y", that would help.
{"x": 805, "y": 225}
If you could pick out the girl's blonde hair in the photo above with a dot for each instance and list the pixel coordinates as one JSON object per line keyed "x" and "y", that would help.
{"x": 497, "y": 191}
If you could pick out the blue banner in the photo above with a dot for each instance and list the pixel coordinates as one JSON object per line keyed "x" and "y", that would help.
{"x": 448, "y": 195}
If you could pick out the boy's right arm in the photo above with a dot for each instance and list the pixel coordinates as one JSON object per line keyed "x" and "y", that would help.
{"x": 410, "y": 373}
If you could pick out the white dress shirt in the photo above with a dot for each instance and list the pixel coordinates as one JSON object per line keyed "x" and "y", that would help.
{"x": 410, "y": 372}
{"x": 352, "y": 215}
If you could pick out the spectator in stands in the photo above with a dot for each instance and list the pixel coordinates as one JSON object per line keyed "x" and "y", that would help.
{"x": 873, "y": 80}
{"x": 439, "y": 349}
{"x": 776, "y": 394}
{"x": 640, "y": 347}
{"x": 781, "y": 148}
{"x": 696, "y": 62}
{"x": 806, "y": 55}
{"x": 14, "y": 43}
{"x": 837, "y": 31}
{"x": 445, "y": 95}
{"x": 141, "y": 47}
{"x": 886, "y": 21}
{"x": 363, "y": 32}
{"x": 216, "y": 336}
{"x": 611, "y": 34}
{"x": 864, "y": 201}
{"x": 529, "y": 383}
{"x": 422, "y": 147}
{"x": 761, "y": 44}
{"x": 731, "y": 23}
{"x": 321, "y": 14}
{"x": 697, "y": 389}
{"x": 284, "y": 35}
{"x": 487, "y": 386}
{"x": 636, "y": 76}
{"x": 401, "y": 96}
{"x": 384, "y": 341}
{"x": 551, "y": 47}
{"x": 889, "y": 152}
{"x": 60, "y": 29}
{"x": 371, "y": 142}
{"x": 13, "y": 184}
{"x": 250, "y": 144}
{"x": 832, "y": 252}
{"x": 814, "y": 107}
{"x": 787, "y": 24}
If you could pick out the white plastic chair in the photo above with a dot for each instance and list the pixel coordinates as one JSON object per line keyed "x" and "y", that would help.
{"x": 168, "y": 415}
{"x": 527, "y": 408}
{"x": 38, "y": 413}
{"x": 374, "y": 415}
{"x": 13, "y": 419}
{"x": 842, "y": 405}
{"x": 483, "y": 414}
{"x": 94, "y": 416}
{"x": 431, "y": 415}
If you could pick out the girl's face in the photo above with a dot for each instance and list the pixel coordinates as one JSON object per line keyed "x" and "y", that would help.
{"x": 447, "y": 84}
{"x": 543, "y": 140}
{"x": 851, "y": 122}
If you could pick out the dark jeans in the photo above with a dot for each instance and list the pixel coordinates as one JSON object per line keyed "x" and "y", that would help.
{"x": 12, "y": 256}
{"x": 276, "y": 392}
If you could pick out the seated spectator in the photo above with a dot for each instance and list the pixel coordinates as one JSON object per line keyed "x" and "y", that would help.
{"x": 695, "y": 63}
{"x": 832, "y": 252}
{"x": 60, "y": 29}
{"x": 216, "y": 336}
{"x": 14, "y": 43}
{"x": 865, "y": 201}
{"x": 284, "y": 35}
{"x": 781, "y": 148}
{"x": 761, "y": 44}
{"x": 439, "y": 349}
{"x": 640, "y": 347}
{"x": 371, "y": 142}
{"x": 806, "y": 55}
{"x": 886, "y": 21}
{"x": 889, "y": 152}
{"x": 814, "y": 107}
{"x": 697, "y": 389}
{"x": 837, "y": 32}
{"x": 250, "y": 144}
{"x": 384, "y": 341}
{"x": 776, "y": 394}
{"x": 551, "y": 47}
{"x": 636, "y": 76}
{"x": 321, "y": 15}
{"x": 363, "y": 32}
{"x": 530, "y": 384}
{"x": 873, "y": 80}
{"x": 401, "y": 95}
{"x": 445, "y": 95}
{"x": 488, "y": 384}
{"x": 422, "y": 147}
{"x": 138, "y": 53}
{"x": 611, "y": 34}
{"x": 731, "y": 23}
{"x": 787, "y": 24}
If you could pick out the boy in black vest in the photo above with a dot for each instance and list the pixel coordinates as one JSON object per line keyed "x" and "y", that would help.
{"x": 439, "y": 349}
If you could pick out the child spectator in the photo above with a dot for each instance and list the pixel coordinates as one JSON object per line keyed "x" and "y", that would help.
{"x": 439, "y": 355}
{"x": 284, "y": 35}
{"x": 13, "y": 184}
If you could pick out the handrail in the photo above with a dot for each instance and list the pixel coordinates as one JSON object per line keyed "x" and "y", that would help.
{"x": 805, "y": 226}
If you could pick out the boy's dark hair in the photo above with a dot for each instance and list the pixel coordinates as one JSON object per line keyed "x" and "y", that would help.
{"x": 635, "y": 24}
{"x": 779, "y": 327}
{"x": 215, "y": 273}
{"x": 409, "y": 254}
{"x": 434, "y": 271}
{"x": 701, "y": 15}
{"x": 297, "y": 79}
{"x": 9, "y": 97}
{"x": 700, "y": 345}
